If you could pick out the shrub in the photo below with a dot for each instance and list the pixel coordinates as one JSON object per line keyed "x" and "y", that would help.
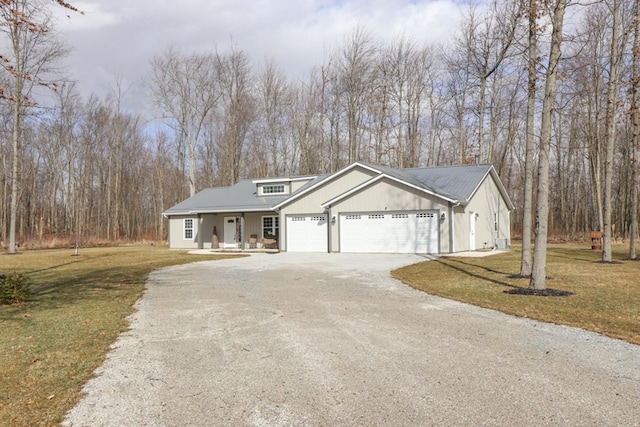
{"x": 14, "y": 288}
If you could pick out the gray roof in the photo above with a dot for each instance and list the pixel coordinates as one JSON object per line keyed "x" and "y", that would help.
{"x": 241, "y": 197}
{"x": 458, "y": 182}
{"x": 455, "y": 183}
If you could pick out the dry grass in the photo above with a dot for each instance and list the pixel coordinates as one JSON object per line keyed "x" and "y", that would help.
{"x": 606, "y": 296}
{"x": 50, "y": 346}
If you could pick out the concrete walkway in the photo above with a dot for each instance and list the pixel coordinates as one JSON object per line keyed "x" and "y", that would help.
{"x": 332, "y": 340}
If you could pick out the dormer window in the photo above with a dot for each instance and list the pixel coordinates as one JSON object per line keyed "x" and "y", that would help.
{"x": 273, "y": 189}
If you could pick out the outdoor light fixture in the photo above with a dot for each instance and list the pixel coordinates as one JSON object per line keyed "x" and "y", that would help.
{"x": 443, "y": 216}
{"x": 333, "y": 220}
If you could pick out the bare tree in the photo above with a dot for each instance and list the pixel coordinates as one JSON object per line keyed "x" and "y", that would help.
{"x": 527, "y": 207}
{"x": 274, "y": 100}
{"x": 26, "y": 25}
{"x": 487, "y": 37}
{"x": 183, "y": 88}
{"x": 635, "y": 134}
{"x": 355, "y": 69}
{"x": 538, "y": 273}
{"x": 612, "y": 89}
{"x": 236, "y": 112}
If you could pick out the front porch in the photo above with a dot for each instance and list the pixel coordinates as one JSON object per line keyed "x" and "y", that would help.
{"x": 232, "y": 251}
{"x": 237, "y": 231}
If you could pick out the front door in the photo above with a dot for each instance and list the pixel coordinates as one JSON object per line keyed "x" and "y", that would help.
{"x": 230, "y": 230}
{"x": 472, "y": 231}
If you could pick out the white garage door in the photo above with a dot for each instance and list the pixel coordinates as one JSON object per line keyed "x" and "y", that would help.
{"x": 307, "y": 233}
{"x": 389, "y": 232}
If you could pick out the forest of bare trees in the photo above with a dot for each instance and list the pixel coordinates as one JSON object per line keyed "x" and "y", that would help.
{"x": 90, "y": 169}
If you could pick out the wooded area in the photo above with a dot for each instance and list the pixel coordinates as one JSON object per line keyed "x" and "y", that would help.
{"x": 89, "y": 169}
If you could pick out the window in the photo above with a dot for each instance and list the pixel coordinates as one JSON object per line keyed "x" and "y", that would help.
{"x": 188, "y": 228}
{"x": 270, "y": 226}
{"x": 273, "y": 189}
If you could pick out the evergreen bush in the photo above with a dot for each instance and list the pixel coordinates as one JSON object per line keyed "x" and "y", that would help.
{"x": 14, "y": 288}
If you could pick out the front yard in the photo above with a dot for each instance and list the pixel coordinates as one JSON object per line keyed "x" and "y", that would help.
{"x": 606, "y": 297}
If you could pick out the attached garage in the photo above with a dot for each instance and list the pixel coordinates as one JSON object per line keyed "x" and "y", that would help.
{"x": 389, "y": 232}
{"x": 307, "y": 233}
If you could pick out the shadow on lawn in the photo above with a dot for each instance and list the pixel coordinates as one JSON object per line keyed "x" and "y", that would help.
{"x": 55, "y": 291}
{"x": 466, "y": 268}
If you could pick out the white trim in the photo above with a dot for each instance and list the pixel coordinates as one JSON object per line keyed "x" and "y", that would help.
{"x": 275, "y": 218}
{"x": 185, "y": 228}
{"x": 267, "y": 180}
{"x": 273, "y": 186}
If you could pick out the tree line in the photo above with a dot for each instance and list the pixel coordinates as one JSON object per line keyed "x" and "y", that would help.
{"x": 90, "y": 168}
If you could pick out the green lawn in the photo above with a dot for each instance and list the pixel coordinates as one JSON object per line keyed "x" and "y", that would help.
{"x": 50, "y": 346}
{"x": 606, "y": 296}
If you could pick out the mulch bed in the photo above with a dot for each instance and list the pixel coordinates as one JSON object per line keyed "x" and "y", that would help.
{"x": 548, "y": 292}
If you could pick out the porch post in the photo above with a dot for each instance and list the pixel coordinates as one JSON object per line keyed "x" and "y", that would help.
{"x": 241, "y": 233}
{"x": 329, "y": 230}
{"x": 200, "y": 246}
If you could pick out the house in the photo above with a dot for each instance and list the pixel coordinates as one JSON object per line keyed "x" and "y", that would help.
{"x": 361, "y": 208}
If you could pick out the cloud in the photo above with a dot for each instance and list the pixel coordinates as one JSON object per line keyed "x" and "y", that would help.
{"x": 118, "y": 37}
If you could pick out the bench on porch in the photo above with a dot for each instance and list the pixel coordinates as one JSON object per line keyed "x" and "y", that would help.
{"x": 270, "y": 242}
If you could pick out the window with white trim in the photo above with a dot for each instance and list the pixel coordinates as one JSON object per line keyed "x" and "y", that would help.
{"x": 273, "y": 189}
{"x": 270, "y": 226}
{"x": 188, "y": 229}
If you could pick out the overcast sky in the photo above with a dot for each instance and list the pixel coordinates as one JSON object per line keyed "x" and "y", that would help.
{"x": 119, "y": 37}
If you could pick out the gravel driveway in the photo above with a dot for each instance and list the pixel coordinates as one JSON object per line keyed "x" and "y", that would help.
{"x": 333, "y": 340}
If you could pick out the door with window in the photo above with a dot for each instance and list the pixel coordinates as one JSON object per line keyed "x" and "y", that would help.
{"x": 472, "y": 230}
{"x": 230, "y": 231}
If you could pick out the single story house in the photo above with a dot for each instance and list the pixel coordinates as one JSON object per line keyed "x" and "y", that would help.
{"x": 361, "y": 208}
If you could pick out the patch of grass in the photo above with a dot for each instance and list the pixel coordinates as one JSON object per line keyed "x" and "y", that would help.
{"x": 606, "y": 295}
{"x": 50, "y": 346}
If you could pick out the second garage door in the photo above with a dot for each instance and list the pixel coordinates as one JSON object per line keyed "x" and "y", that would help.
{"x": 389, "y": 232}
{"x": 307, "y": 233}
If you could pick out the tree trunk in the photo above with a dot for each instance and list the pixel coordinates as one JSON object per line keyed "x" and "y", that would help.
{"x": 538, "y": 273}
{"x": 525, "y": 262}
{"x": 611, "y": 134}
{"x": 15, "y": 169}
{"x": 635, "y": 141}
